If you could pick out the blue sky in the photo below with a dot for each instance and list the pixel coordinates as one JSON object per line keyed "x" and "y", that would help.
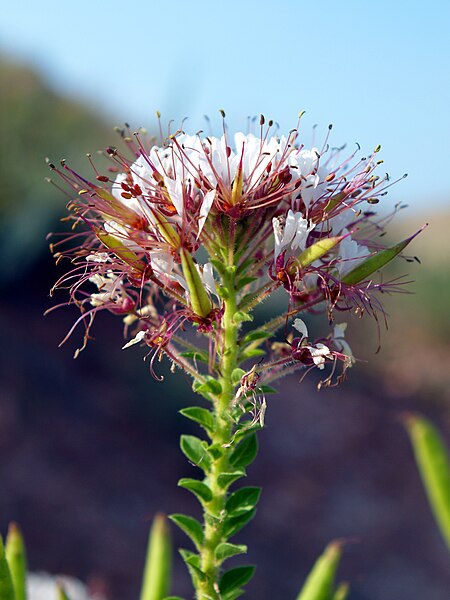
{"x": 379, "y": 71}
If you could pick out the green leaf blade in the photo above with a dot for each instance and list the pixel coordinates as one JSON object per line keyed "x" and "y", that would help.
{"x": 433, "y": 461}
{"x": 245, "y": 452}
{"x": 227, "y": 550}
{"x": 202, "y": 416}
{"x": 235, "y": 578}
{"x": 198, "y": 488}
{"x": 243, "y": 501}
{"x": 320, "y": 582}
{"x": 157, "y": 570}
{"x": 194, "y": 449}
{"x": 6, "y": 582}
{"x": 191, "y": 527}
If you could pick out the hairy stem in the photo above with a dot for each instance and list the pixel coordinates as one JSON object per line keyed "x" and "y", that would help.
{"x": 214, "y": 514}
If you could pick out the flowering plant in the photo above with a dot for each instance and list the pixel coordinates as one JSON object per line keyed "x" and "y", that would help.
{"x": 182, "y": 240}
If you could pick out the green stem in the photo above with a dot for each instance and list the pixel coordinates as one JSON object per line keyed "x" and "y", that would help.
{"x": 214, "y": 514}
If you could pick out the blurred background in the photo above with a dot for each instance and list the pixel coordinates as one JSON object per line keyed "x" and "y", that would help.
{"x": 88, "y": 448}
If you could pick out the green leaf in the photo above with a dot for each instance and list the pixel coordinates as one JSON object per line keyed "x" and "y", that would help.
{"x": 433, "y": 460}
{"x": 235, "y": 578}
{"x": 268, "y": 389}
{"x": 245, "y": 452}
{"x": 237, "y": 375}
{"x": 61, "y": 593}
{"x": 6, "y": 582}
{"x": 243, "y": 281}
{"x": 156, "y": 580}
{"x": 320, "y": 582}
{"x": 242, "y": 501}
{"x": 17, "y": 562}
{"x": 341, "y": 592}
{"x": 255, "y": 336}
{"x": 219, "y": 266}
{"x": 193, "y": 562}
{"x": 191, "y": 527}
{"x": 202, "y": 416}
{"x": 226, "y": 550}
{"x": 173, "y": 598}
{"x": 200, "y": 489}
{"x": 233, "y": 595}
{"x": 194, "y": 449}
{"x": 241, "y": 317}
{"x": 196, "y": 355}
{"x": 375, "y": 262}
{"x": 251, "y": 353}
{"x": 210, "y": 386}
{"x": 226, "y": 479}
{"x": 235, "y": 524}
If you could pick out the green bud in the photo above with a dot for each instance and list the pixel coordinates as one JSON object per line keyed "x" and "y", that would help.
{"x": 6, "y": 584}
{"x": 16, "y": 557}
{"x": 121, "y": 251}
{"x": 156, "y": 581}
{"x": 166, "y": 230}
{"x": 199, "y": 299}
{"x": 314, "y": 252}
{"x": 375, "y": 262}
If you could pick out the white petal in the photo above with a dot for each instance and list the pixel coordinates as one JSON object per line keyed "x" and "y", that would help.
{"x": 204, "y": 210}
{"x": 138, "y": 338}
{"x": 300, "y": 326}
{"x": 339, "y": 330}
{"x": 207, "y": 276}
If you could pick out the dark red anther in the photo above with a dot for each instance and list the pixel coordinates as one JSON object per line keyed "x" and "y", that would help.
{"x": 330, "y": 177}
{"x": 125, "y": 187}
{"x": 137, "y": 190}
{"x": 126, "y": 195}
{"x": 102, "y": 178}
{"x": 228, "y": 151}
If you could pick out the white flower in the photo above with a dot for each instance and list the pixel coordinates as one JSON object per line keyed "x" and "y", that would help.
{"x": 42, "y": 586}
{"x": 98, "y": 257}
{"x": 320, "y": 352}
{"x": 121, "y": 233}
{"x": 295, "y": 232}
{"x": 342, "y": 345}
{"x": 351, "y": 254}
{"x": 109, "y": 288}
{"x": 136, "y": 340}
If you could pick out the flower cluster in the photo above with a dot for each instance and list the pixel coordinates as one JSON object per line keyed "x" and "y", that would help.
{"x": 158, "y": 226}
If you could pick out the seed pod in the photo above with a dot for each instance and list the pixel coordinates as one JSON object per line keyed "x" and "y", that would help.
{"x": 156, "y": 581}
{"x": 320, "y": 582}
{"x": 16, "y": 557}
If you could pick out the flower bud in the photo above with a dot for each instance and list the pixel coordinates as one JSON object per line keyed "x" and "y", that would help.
{"x": 314, "y": 252}
{"x": 199, "y": 299}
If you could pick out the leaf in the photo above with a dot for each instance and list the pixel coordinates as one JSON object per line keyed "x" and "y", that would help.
{"x": 376, "y": 262}
{"x": 219, "y": 266}
{"x": 226, "y": 550}
{"x": 193, "y": 448}
{"x": 268, "y": 389}
{"x": 254, "y": 336}
{"x": 237, "y": 375}
{"x": 235, "y": 524}
{"x": 192, "y": 561}
{"x": 156, "y": 579}
{"x": 241, "y": 317}
{"x": 202, "y": 416}
{"x": 173, "y": 598}
{"x": 226, "y": 479}
{"x": 233, "y": 595}
{"x": 235, "y": 578}
{"x": 434, "y": 465}
{"x": 245, "y": 452}
{"x": 342, "y": 591}
{"x": 243, "y": 281}
{"x": 17, "y": 562}
{"x": 243, "y": 501}
{"x": 320, "y": 582}
{"x": 6, "y": 583}
{"x": 251, "y": 353}
{"x": 196, "y": 355}
{"x": 200, "y": 489}
{"x": 191, "y": 527}
{"x": 211, "y": 386}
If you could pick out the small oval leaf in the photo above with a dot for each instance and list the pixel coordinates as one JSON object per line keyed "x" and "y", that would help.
{"x": 200, "y": 489}
{"x": 245, "y": 452}
{"x": 193, "y": 448}
{"x": 202, "y": 416}
{"x": 235, "y": 578}
{"x": 191, "y": 527}
{"x": 226, "y": 550}
{"x": 243, "y": 501}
